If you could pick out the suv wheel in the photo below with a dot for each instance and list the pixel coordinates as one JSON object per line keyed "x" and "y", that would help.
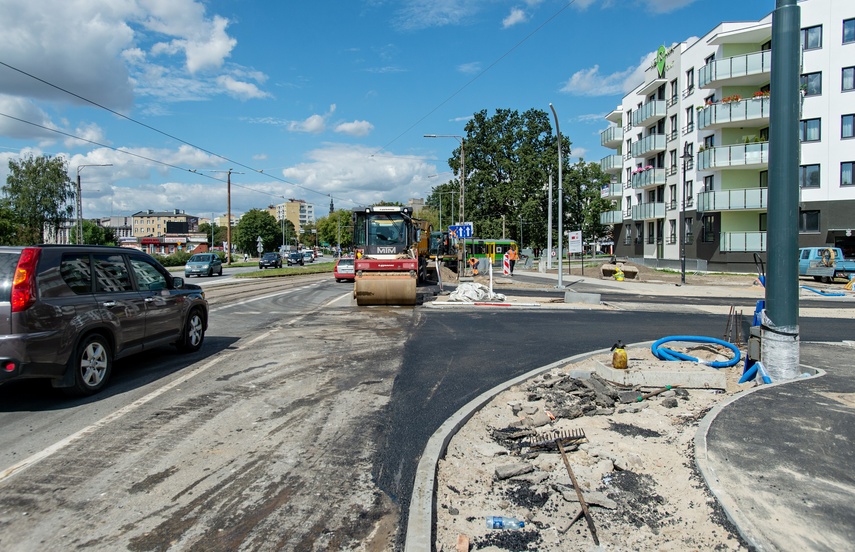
{"x": 193, "y": 333}
{"x": 92, "y": 363}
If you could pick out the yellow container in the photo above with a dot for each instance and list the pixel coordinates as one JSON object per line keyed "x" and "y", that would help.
{"x": 619, "y": 356}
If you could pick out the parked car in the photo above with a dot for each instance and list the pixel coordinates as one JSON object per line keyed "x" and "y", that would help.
{"x": 206, "y": 264}
{"x": 270, "y": 260}
{"x": 68, "y": 312}
{"x": 295, "y": 258}
{"x": 308, "y": 256}
{"x": 343, "y": 271}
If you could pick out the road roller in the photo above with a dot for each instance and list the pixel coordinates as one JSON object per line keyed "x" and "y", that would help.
{"x": 389, "y": 258}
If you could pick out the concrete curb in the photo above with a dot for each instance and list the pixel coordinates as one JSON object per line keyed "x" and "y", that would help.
{"x": 421, "y": 514}
{"x": 746, "y": 528}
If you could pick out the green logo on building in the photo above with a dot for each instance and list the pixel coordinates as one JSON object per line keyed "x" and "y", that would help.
{"x": 661, "y": 54}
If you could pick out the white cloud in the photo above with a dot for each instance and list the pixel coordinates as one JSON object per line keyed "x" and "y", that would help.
{"x": 424, "y": 14}
{"x": 25, "y": 110}
{"x": 665, "y": 6}
{"x": 469, "y": 68}
{"x": 516, "y": 17}
{"x": 355, "y": 128}
{"x": 589, "y": 82}
{"x": 365, "y": 177}
{"x": 241, "y": 90}
{"x": 314, "y": 124}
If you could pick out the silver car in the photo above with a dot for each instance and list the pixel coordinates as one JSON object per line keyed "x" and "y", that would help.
{"x": 203, "y": 264}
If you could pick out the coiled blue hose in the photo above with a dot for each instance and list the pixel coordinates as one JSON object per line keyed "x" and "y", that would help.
{"x": 664, "y": 353}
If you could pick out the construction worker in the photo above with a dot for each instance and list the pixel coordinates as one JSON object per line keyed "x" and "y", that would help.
{"x": 512, "y": 258}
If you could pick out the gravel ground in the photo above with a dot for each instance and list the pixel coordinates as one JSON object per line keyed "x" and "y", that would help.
{"x": 635, "y": 467}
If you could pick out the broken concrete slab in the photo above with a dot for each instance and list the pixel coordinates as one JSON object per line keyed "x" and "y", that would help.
{"x": 683, "y": 374}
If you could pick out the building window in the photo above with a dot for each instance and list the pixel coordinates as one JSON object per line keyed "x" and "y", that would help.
{"x": 690, "y": 119}
{"x": 709, "y": 183}
{"x": 848, "y": 31}
{"x": 847, "y": 80}
{"x": 764, "y": 179}
{"x": 809, "y": 176}
{"x": 847, "y": 122}
{"x": 809, "y": 130}
{"x": 811, "y": 84}
{"x": 764, "y": 134}
{"x": 808, "y": 221}
{"x": 846, "y": 173}
{"x": 811, "y": 38}
{"x": 690, "y": 79}
{"x": 709, "y": 141}
{"x": 709, "y": 229}
{"x": 687, "y": 191}
{"x": 761, "y": 224}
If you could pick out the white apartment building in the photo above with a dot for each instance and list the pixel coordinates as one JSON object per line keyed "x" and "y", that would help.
{"x": 692, "y": 143}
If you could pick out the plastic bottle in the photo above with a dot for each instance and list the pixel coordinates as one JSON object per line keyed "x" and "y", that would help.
{"x": 502, "y": 522}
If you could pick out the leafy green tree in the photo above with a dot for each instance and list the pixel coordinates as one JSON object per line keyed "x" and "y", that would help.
{"x": 40, "y": 195}
{"x": 94, "y": 234}
{"x": 8, "y": 228}
{"x": 508, "y": 160}
{"x": 219, "y": 233}
{"x": 334, "y": 225}
{"x": 583, "y": 201}
{"x": 255, "y": 223}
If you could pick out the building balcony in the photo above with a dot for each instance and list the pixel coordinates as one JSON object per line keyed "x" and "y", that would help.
{"x": 615, "y": 189}
{"x": 753, "y": 112}
{"x": 650, "y": 177}
{"x": 737, "y": 156}
{"x": 743, "y": 70}
{"x": 741, "y": 242}
{"x": 611, "y": 217}
{"x": 646, "y": 211}
{"x": 751, "y": 199}
{"x": 611, "y": 137}
{"x": 649, "y": 112}
{"x": 652, "y": 143}
{"x": 611, "y": 164}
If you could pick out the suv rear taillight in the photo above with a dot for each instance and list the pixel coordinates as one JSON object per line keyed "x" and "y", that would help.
{"x": 24, "y": 280}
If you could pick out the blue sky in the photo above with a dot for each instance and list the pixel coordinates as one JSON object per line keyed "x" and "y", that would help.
{"x": 309, "y": 99}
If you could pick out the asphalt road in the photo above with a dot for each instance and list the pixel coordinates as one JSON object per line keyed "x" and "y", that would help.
{"x": 297, "y": 426}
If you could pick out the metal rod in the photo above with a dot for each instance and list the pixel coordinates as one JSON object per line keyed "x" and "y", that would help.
{"x": 582, "y": 502}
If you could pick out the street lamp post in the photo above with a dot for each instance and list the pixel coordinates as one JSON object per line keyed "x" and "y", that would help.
{"x": 685, "y": 157}
{"x": 560, "y": 203}
{"x": 462, "y": 185}
{"x": 80, "y": 201}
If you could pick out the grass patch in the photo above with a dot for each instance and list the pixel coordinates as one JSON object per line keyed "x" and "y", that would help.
{"x": 287, "y": 271}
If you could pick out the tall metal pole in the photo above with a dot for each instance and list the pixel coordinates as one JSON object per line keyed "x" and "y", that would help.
{"x": 682, "y": 229}
{"x": 229, "y": 218}
{"x": 780, "y": 346}
{"x": 462, "y": 192}
{"x": 560, "y": 203}
{"x": 549, "y": 225}
{"x": 80, "y": 200}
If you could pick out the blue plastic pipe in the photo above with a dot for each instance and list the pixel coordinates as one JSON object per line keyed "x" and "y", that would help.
{"x": 664, "y": 353}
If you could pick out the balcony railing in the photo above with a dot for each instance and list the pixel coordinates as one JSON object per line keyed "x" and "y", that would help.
{"x": 611, "y": 137}
{"x": 650, "y": 177}
{"x": 648, "y": 211}
{"x": 735, "y": 156}
{"x": 611, "y": 163}
{"x": 611, "y": 217}
{"x": 742, "y": 241}
{"x": 648, "y": 112}
{"x": 615, "y": 189}
{"x": 758, "y": 64}
{"x": 754, "y": 111}
{"x": 647, "y": 145}
{"x": 734, "y": 200}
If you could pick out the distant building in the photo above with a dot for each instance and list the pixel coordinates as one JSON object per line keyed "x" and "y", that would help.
{"x": 153, "y": 223}
{"x": 417, "y": 203}
{"x": 297, "y": 211}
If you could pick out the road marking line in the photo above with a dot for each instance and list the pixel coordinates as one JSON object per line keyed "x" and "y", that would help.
{"x": 59, "y": 445}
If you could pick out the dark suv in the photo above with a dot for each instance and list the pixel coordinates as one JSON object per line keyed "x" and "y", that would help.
{"x": 295, "y": 258}
{"x": 67, "y": 312}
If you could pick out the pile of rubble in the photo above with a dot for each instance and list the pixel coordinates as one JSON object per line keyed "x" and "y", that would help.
{"x": 631, "y": 452}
